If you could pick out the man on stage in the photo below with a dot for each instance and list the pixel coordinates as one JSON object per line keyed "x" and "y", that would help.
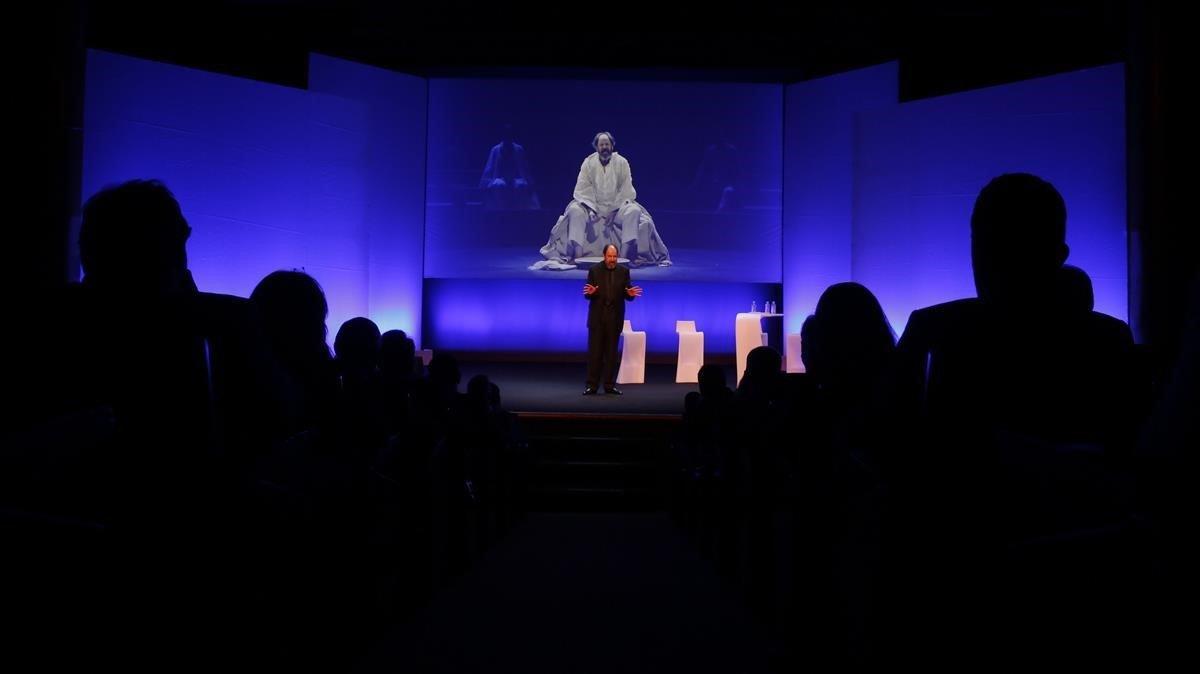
{"x": 608, "y": 287}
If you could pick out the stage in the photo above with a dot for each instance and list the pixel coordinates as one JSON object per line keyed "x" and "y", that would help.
{"x": 557, "y": 388}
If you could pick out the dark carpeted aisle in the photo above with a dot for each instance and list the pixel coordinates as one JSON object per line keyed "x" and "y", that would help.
{"x": 582, "y": 593}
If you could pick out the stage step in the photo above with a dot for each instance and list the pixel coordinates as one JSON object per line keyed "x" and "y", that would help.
{"x": 584, "y": 463}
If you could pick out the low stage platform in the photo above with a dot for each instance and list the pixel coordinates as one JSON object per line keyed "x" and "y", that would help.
{"x": 557, "y": 388}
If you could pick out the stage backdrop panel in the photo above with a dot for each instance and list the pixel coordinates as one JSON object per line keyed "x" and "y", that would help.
{"x": 920, "y": 165}
{"x": 269, "y": 177}
{"x": 706, "y": 160}
{"x": 394, "y": 182}
{"x": 819, "y": 180}
{"x": 550, "y": 317}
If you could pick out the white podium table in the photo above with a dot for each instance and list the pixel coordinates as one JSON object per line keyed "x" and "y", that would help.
{"x": 752, "y": 330}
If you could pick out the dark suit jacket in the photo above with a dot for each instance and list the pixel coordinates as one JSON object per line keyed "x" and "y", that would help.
{"x": 1063, "y": 376}
{"x": 608, "y": 303}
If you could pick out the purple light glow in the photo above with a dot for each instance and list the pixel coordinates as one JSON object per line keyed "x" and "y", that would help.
{"x": 919, "y": 167}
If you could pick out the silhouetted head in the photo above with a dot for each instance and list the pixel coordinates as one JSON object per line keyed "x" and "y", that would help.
{"x": 478, "y": 390}
{"x": 1018, "y": 239}
{"x": 133, "y": 240}
{"x": 808, "y": 350}
{"x": 848, "y": 337}
{"x": 396, "y": 353}
{"x": 712, "y": 380}
{"x": 763, "y": 366}
{"x": 506, "y": 134}
{"x": 444, "y": 372}
{"x": 1075, "y": 289}
{"x": 357, "y": 344}
{"x": 293, "y": 309}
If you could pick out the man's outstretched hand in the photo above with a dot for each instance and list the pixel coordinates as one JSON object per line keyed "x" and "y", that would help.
{"x": 589, "y": 289}
{"x": 632, "y": 291}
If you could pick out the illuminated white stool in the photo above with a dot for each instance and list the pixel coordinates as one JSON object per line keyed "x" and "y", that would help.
{"x": 691, "y": 353}
{"x": 633, "y": 356}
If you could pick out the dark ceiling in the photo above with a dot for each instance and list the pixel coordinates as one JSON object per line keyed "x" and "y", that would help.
{"x": 941, "y": 46}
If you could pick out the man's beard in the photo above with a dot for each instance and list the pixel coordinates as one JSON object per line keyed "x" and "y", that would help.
{"x": 605, "y": 155}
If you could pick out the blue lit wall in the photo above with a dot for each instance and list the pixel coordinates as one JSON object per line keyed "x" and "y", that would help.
{"x": 394, "y": 182}
{"x": 919, "y": 167}
{"x": 269, "y": 177}
{"x": 819, "y": 177}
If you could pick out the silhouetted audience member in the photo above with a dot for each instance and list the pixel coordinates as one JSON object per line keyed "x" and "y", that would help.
{"x": 178, "y": 351}
{"x": 1011, "y": 390}
{"x": 132, "y": 245}
{"x": 848, "y": 349}
{"x": 191, "y": 394}
{"x": 1016, "y": 360}
{"x": 849, "y": 355}
{"x": 1076, "y": 288}
{"x": 762, "y": 380}
{"x": 357, "y": 347}
{"x": 478, "y": 392}
{"x": 397, "y": 356}
{"x": 444, "y": 378}
{"x": 293, "y": 309}
{"x": 756, "y": 466}
{"x": 704, "y": 493}
{"x": 706, "y": 421}
{"x": 713, "y": 384}
{"x": 848, "y": 343}
{"x": 363, "y": 418}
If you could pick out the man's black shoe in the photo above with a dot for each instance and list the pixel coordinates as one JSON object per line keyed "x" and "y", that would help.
{"x": 614, "y": 391}
{"x": 589, "y": 391}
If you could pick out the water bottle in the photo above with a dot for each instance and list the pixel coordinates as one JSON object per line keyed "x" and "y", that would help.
{"x": 772, "y": 306}
{"x": 753, "y": 307}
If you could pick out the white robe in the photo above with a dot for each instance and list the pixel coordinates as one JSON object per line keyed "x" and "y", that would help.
{"x": 604, "y": 210}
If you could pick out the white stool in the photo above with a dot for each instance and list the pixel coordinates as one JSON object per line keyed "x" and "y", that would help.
{"x": 794, "y": 348}
{"x": 633, "y": 356}
{"x": 691, "y": 353}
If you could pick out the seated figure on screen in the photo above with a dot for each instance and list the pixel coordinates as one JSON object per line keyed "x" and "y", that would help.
{"x": 507, "y": 178}
{"x": 604, "y": 211}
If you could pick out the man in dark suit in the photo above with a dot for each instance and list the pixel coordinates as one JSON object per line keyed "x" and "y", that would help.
{"x": 1022, "y": 403}
{"x": 1028, "y": 355}
{"x": 608, "y": 287}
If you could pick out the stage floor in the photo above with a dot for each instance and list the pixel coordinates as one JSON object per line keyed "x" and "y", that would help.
{"x": 558, "y": 388}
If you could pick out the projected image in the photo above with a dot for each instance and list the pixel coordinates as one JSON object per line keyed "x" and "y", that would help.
{"x": 604, "y": 211}
{"x": 529, "y": 179}
{"x": 507, "y": 181}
